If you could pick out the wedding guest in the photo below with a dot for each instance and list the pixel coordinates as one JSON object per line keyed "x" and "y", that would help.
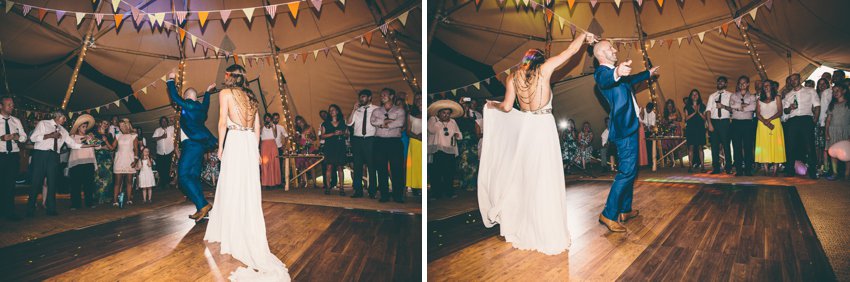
{"x": 648, "y": 121}
{"x": 146, "y": 179}
{"x": 82, "y": 162}
{"x": 323, "y": 114}
{"x": 362, "y": 143}
{"x": 838, "y": 76}
{"x": 467, "y": 162}
{"x": 569, "y": 147}
{"x": 140, "y": 135}
{"x": 12, "y": 137}
{"x": 48, "y": 136}
{"x": 305, "y": 143}
{"x": 164, "y": 138}
{"x": 838, "y": 124}
{"x": 211, "y": 168}
{"x": 743, "y": 104}
{"x": 414, "y": 150}
{"x": 585, "y": 148}
{"x": 126, "y": 153}
{"x": 608, "y": 151}
{"x": 114, "y": 127}
{"x": 828, "y": 76}
{"x": 269, "y": 165}
{"x": 443, "y": 135}
{"x": 281, "y": 137}
{"x": 770, "y": 135}
{"x": 334, "y": 131}
{"x": 824, "y": 91}
{"x": 809, "y": 83}
{"x": 719, "y": 112}
{"x": 105, "y": 143}
{"x": 671, "y": 121}
{"x": 803, "y": 108}
{"x": 389, "y": 120}
{"x": 695, "y": 129}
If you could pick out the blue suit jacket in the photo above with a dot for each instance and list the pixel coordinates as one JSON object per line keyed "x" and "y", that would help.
{"x": 624, "y": 121}
{"x": 193, "y": 116}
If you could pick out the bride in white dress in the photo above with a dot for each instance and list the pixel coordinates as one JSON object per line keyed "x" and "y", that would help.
{"x": 237, "y": 221}
{"x": 521, "y": 179}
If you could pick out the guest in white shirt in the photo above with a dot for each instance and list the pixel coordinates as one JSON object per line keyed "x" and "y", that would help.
{"x": 280, "y": 138}
{"x": 48, "y": 136}
{"x": 114, "y": 129}
{"x": 718, "y": 109}
{"x": 164, "y": 138}
{"x": 443, "y": 135}
{"x": 648, "y": 118}
{"x": 743, "y": 127}
{"x": 82, "y": 163}
{"x": 362, "y": 143}
{"x": 11, "y": 134}
{"x": 825, "y": 92}
{"x": 802, "y": 105}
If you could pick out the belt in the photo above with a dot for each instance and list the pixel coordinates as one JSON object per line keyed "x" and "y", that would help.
{"x": 8, "y": 153}
{"x": 240, "y": 128}
{"x": 539, "y": 111}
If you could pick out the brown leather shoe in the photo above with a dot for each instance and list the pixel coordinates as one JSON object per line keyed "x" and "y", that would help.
{"x": 612, "y": 225}
{"x": 201, "y": 213}
{"x": 628, "y": 215}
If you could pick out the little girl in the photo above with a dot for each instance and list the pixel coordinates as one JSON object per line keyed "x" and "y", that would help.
{"x": 146, "y": 178}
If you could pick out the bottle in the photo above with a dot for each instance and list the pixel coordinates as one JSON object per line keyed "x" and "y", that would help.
{"x": 121, "y": 200}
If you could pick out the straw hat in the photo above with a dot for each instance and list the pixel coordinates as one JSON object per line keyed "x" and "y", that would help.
{"x": 84, "y": 118}
{"x": 435, "y": 107}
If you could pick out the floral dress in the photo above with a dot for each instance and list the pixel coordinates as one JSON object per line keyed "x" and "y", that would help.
{"x": 467, "y": 161}
{"x": 103, "y": 174}
{"x": 569, "y": 148}
{"x": 210, "y": 172}
{"x": 304, "y": 145}
{"x": 585, "y": 151}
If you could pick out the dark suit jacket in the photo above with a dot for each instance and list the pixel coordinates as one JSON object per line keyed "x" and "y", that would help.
{"x": 193, "y": 116}
{"x": 624, "y": 121}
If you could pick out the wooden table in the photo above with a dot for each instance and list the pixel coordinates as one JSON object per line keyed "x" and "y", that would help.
{"x": 288, "y": 157}
{"x": 656, "y": 148}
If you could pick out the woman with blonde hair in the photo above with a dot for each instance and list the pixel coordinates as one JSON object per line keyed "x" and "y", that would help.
{"x": 127, "y": 149}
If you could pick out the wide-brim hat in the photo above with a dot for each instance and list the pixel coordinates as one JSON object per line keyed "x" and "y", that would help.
{"x": 435, "y": 107}
{"x": 84, "y": 118}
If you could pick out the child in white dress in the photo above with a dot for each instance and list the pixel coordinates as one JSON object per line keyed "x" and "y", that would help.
{"x": 146, "y": 177}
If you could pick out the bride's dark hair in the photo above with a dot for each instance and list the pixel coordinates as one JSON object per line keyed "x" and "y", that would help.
{"x": 236, "y": 78}
{"x": 531, "y": 61}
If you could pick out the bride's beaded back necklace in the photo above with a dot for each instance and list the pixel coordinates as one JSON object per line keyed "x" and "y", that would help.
{"x": 528, "y": 83}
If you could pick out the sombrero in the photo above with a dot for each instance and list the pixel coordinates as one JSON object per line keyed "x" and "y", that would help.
{"x": 84, "y": 118}
{"x": 435, "y": 107}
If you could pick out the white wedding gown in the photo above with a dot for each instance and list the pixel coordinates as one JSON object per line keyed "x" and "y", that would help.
{"x": 237, "y": 220}
{"x": 521, "y": 180}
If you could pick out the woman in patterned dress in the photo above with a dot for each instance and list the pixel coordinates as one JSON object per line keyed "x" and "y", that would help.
{"x": 305, "y": 144}
{"x": 671, "y": 124}
{"x": 585, "y": 150}
{"x": 569, "y": 146}
{"x": 467, "y": 161}
{"x": 103, "y": 156}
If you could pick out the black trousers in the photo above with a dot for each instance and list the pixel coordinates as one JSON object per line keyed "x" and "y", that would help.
{"x": 390, "y": 151}
{"x": 744, "y": 141}
{"x": 441, "y": 174}
{"x": 800, "y": 139}
{"x": 9, "y": 165}
{"x": 163, "y": 166}
{"x": 720, "y": 139}
{"x": 82, "y": 179}
{"x": 44, "y": 165}
{"x": 363, "y": 152}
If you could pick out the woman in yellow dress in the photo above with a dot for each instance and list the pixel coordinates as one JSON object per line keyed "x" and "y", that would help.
{"x": 414, "y": 149}
{"x": 770, "y": 138}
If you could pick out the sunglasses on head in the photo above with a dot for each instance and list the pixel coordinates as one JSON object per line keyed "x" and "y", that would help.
{"x": 445, "y": 131}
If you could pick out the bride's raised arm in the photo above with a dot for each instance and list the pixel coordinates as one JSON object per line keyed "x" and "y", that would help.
{"x": 223, "y": 102}
{"x": 556, "y": 61}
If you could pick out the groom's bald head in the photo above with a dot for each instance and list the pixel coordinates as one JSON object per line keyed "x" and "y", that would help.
{"x": 605, "y": 52}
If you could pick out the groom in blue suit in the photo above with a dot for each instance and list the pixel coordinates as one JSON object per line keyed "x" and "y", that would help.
{"x": 193, "y": 115}
{"x": 617, "y": 85}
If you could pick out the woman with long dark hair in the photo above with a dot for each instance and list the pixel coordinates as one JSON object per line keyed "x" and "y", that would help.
{"x": 695, "y": 129}
{"x": 671, "y": 122}
{"x": 770, "y": 136}
{"x": 305, "y": 142}
{"x": 334, "y": 132}
{"x": 269, "y": 165}
{"x": 838, "y": 124}
{"x": 520, "y": 179}
{"x": 825, "y": 93}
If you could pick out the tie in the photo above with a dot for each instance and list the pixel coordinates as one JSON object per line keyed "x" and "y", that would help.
{"x": 363, "y": 128}
{"x": 56, "y": 142}
{"x": 8, "y": 131}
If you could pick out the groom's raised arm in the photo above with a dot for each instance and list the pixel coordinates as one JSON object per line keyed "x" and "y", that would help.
{"x": 172, "y": 93}
{"x": 604, "y": 77}
{"x": 636, "y": 78}
{"x": 206, "y": 102}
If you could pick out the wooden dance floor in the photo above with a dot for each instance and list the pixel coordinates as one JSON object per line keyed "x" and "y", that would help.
{"x": 316, "y": 243}
{"x": 686, "y": 231}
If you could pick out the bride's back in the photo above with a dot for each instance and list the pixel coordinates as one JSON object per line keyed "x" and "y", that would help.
{"x": 532, "y": 90}
{"x": 243, "y": 107}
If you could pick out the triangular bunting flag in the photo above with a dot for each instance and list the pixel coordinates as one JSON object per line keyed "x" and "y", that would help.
{"x": 9, "y": 5}
{"x": 194, "y": 40}
{"x": 80, "y": 17}
{"x": 368, "y": 38}
{"x": 701, "y": 36}
{"x": 303, "y": 57}
{"x": 271, "y": 10}
{"x": 41, "y": 14}
{"x": 315, "y": 54}
{"x": 70, "y": 115}
{"x": 571, "y": 3}
{"x": 477, "y": 85}
{"x": 126, "y": 98}
{"x": 59, "y": 15}
{"x": 249, "y": 12}
{"x": 573, "y": 30}
{"x": 115, "y": 5}
{"x": 725, "y": 27}
{"x": 26, "y": 10}
{"x": 651, "y": 43}
{"x": 339, "y": 47}
{"x": 152, "y": 19}
{"x": 454, "y": 92}
{"x": 549, "y": 15}
{"x": 97, "y": 109}
{"x": 182, "y": 34}
{"x": 487, "y": 80}
{"x": 285, "y": 57}
{"x": 342, "y": 1}
{"x": 561, "y": 22}
{"x": 769, "y": 5}
{"x": 668, "y": 42}
{"x": 403, "y": 18}
{"x": 203, "y": 17}
{"x": 137, "y": 17}
{"x": 384, "y": 28}
{"x": 135, "y": 12}
{"x": 689, "y": 37}
{"x": 660, "y": 3}
{"x": 181, "y": 16}
{"x": 680, "y": 41}
{"x": 160, "y": 18}
{"x": 753, "y": 13}
{"x": 117, "y": 103}
{"x": 617, "y": 2}
{"x": 293, "y": 9}
{"x": 216, "y": 50}
{"x": 118, "y": 19}
{"x": 738, "y": 22}
{"x": 508, "y": 71}
{"x": 326, "y": 50}
{"x": 593, "y": 3}
{"x": 164, "y": 78}
{"x": 317, "y": 4}
{"x": 145, "y": 90}
{"x": 225, "y": 15}
{"x": 640, "y": 3}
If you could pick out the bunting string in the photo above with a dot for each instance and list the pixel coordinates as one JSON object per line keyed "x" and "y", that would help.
{"x": 477, "y": 84}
